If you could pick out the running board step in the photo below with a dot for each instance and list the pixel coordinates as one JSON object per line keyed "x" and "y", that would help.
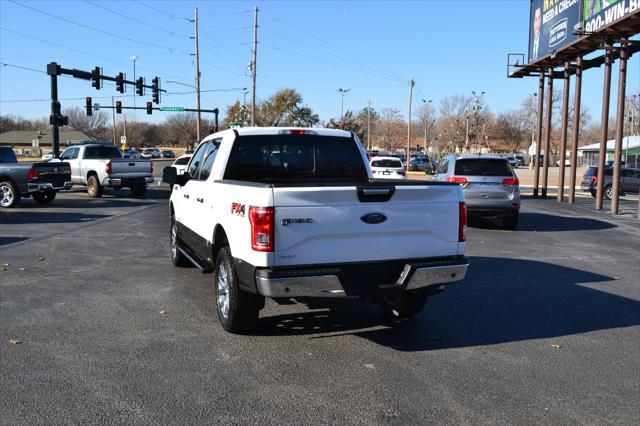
{"x": 195, "y": 263}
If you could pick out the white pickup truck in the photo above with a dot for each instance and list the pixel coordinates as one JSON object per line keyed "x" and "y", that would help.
{"x": 294, "y": 213}
{"x": 99, "y": 166}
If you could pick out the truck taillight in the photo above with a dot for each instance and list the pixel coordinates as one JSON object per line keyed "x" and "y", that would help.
{"x": 108, "y": 168}
{"x": 457, "y": 179}
{"x": 462, "y": 223}
{"x": 33, "y": 175}
{"x": 151, "y": 166}
{"x": 262, "y": 221}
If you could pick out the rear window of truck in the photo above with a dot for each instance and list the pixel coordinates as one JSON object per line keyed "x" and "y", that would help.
{"x": 303, "y": 157}
{"x": 102, "y": 153}
{"x": 483, "y": 167}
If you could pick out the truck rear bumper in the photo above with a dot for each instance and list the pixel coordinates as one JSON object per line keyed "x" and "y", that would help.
{"x": 43, "y": 187}
{"x": 128, "y": 181}
{"x": 339, "y": 281}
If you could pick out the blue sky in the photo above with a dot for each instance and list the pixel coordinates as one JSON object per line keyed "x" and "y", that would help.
{"x": 372, "y": 48}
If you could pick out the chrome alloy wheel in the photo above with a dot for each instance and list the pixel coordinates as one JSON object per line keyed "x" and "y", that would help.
{"x": 6, "y": 195}
{"x": 223, "y": 290}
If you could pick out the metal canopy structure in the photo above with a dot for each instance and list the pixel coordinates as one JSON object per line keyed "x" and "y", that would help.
{"x": 614, "y": 40}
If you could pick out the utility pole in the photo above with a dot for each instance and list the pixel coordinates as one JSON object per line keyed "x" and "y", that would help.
{"x": 244, "y": 107}
{"x": 411, "y": 84}
{"x": 113, "y": 127}
{"x": 197, "y": 80}
{"x": 134, "y": 59}
{"x": 426, "y": 121}
{"x": 342, "y": 92}
{"x": 253, "y": 65}
{"x": 369, "y": 126}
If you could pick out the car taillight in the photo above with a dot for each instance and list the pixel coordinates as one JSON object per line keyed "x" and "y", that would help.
{"x": 262, "y": 228}
{"x": 33, "y": 175}
{"x": 152, "y": 167}
{"x": 108, "y": 168}
{"x": 457, "y": 179}
{"x": 594, "y": 179}
{"x": 510, "y": 181}
{"x": 401, "y": 172}
{"x": 462, "y": 223}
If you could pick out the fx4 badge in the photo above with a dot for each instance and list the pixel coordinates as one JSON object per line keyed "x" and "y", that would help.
{"x": 286, "y": 222}
{"x": 373, "y": 218}
{"x": 237, "y": 209}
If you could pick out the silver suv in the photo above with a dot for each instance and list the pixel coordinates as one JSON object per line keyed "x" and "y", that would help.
{"x": 490, "y": 186}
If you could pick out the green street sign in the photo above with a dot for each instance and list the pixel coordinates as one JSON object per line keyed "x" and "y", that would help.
{"x": 174, "y": 109}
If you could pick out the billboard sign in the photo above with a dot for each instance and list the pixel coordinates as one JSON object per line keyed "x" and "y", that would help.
{"x": 551, "y": 25}
{"x": 598, "y": 13}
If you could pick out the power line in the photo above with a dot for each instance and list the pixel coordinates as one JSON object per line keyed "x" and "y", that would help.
{"x": 171, "y": 15}
{"x": 80, "y": 51}
{"x": 171, "y": 50}
{"x": 172, "y": 33}
{"x": 231, "y": 51}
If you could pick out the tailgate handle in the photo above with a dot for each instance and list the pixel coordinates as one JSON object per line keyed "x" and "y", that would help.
{"x": 380, "y": 194}
{"x": 132, "y": 164}
{"x": 376, "y": 191}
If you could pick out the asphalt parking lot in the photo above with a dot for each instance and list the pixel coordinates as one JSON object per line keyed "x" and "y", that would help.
{"x": 545, "y": 329}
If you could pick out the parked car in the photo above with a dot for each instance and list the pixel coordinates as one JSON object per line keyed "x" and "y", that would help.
{"x": 23, "y": 180}
{"x": 490, "y": 186}
{"x": 99, "y": 166}
{"x": 629, "y": 181}
{"x": 293, "y": 213}
{"x": 520, "y": 160}
{"x": 422, "y": 164}
{"x": 181, "y": 163}
{"x": 513, "y": 162}
{"x": 151, "y": 153}
{"x": 168, "y": 154}
{"x": 131, "y": 153}
{"x": 387, "y": 168}
{"x": 567, "y": 162}
{"x": 48, "y": 156}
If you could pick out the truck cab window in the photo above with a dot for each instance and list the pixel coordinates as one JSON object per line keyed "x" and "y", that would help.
{"x": 196, "y": 160}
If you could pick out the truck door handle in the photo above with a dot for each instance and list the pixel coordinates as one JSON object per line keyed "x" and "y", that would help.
{"x": 200, "y": 200}
{"x": 185, "y": 195}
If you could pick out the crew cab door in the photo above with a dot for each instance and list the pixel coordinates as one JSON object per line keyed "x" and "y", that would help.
{"x": 70, "y": 155}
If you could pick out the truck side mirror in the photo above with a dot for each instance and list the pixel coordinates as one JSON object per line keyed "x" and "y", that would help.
{"x": 170, "y": 175}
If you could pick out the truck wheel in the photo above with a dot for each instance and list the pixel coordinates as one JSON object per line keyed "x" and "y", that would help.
{"x": 44, "y": 197}
{"x": 404, "y": 304}
{"x": 176, "y": 257}
{"x": 94, "y": 189}
{"x": 511, "y": 222}
{"x": 138, "y": 190}
{"x": 9, "y": 195}
{"x": 237, "y": 309}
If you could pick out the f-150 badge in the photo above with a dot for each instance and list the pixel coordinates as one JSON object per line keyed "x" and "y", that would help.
{"x": 237, "y": 209}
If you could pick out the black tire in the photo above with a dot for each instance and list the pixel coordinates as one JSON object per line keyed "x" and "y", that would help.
{"x": 94, "y": 189}
{"x": 237, "y": 310}
{"x": 9, "y": 195}
{"x": 403, "y": 304}
{"x": 593, "y": 193}
{"x": 511, "y": 222}
{"x": 138, "y": 190}
{"x": 44, "y": 197}
{"x": 608, "y": 192}
{"x": 177, "y": 257}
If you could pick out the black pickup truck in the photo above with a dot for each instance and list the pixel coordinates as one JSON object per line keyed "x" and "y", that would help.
{"x": 23, "y": 180}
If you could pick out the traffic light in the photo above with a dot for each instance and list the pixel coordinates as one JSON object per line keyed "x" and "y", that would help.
{"x": 120, "y": 82}
{"x": 119, "y": 107}
{"x": 140, "y": 86}
{"x": 155, "y": 89}
{"x": 95, "y": 78}
{"x": 89, "y": 109}
{"x": 149, "y": 108}
{"x": 212, "y": 129}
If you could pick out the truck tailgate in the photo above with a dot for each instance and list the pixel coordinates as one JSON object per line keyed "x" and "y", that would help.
{"x": 126, "y": 166}
{"x": 320, "y": 225}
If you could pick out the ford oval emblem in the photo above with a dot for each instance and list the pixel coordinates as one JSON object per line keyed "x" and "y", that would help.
{"x": 373, "y": 218}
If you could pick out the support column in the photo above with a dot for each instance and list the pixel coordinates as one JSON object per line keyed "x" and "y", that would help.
{"x": 536, "y": 159}
{"x": 563, "y": 135}
{"x": 576, "y": 131}
{"x": 547, "y": 138}
{"x": 604, "y": 126}
{"x": 617, "y": 156}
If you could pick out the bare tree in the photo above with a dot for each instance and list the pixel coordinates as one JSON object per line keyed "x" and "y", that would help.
{"x": 390, "y": 127}
{"x": 91, "y": 125}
